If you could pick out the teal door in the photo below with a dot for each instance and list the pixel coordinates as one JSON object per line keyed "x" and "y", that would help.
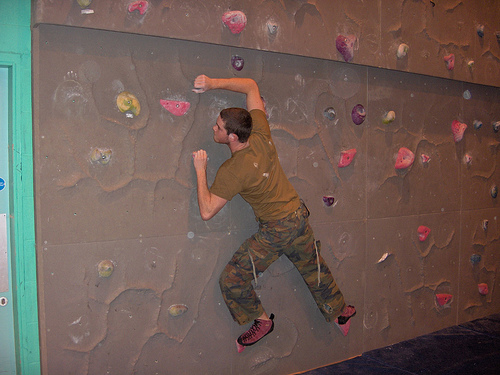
{"x": 7, "y": 343}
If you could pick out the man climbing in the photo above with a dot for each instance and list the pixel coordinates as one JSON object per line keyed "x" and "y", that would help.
{"x": 254, "y": 172}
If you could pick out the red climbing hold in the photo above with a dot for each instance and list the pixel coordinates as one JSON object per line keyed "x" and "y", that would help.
{"x": 443, "y": 299}
{"x": 235, "y": 20}
{"x": 483, "y": 289}
{"x": 423, "y": 232}
{"x": 405, "y": 158}
{"x": 450, "y": 61}
{"x": 346, "y": 157}
{"x": 458, "y": 130}
{"x": 175, "y": 107}
{"x": 141, "y": 6}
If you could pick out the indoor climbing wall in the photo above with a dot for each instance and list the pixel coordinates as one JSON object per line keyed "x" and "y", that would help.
{"x": 399, "y": 170}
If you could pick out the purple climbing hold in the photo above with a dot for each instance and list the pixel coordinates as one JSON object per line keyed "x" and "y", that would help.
{"x": 328, "y": 200}
{"x": 345, "y": 45}
{"x": 475, "y": 259}
{"x": 358, "y": 114}
{"x": 237, "y": 62}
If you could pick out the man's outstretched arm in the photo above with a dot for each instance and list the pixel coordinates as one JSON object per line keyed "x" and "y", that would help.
{"x": 245, "y": 86}
{"x": 209, "y": 204}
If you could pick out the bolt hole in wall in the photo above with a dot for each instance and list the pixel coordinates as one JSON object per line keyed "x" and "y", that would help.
{"x": 7, "y": 348}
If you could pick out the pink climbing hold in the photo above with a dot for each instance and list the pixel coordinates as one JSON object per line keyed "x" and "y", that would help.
{"x": 450, "y": 61}
{"x": 483, "y": 288}
{"x": 405, "y": 158}
{"x": 345, "y": 45}
{"x": 346, "y": 157}
{"x": 423, "y": 232}
{"x": 458, "y": 129}
{"x": 235, "y": 20}
{"x": 141, "y": 6}
{"x": 444, "y": 299}
{"x": 175, "y": 107}
{"x": 425, "y": 158}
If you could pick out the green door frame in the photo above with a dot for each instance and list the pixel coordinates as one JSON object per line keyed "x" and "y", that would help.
{"x": 22, "y": 221}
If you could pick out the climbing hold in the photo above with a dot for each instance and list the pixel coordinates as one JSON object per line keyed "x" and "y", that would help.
{"x": 345, "y": 45}
{"x": 444, "y": 300}
{"x": 470, "y": 64}
{"x": 175, "y": 107}
{"x": 141, "y": 6}
{"x": 458, "y": 130}
{"x": 237, "y": 62}
{"x": 425, "y": 158}
{"x": 477, "y": 124}
{"x": 496, "y": 126}
{"x": 101, "y": 156}
{"x": 450, "y": 61}
{"x": 128, "y": 104}
{"x": 383, "y": 257}
{"x": 480, "y": 30}
{"x": 178, "y": 309}
{"x": 405, "y": 158}
{"x": 235, "y": 20}
{"x": 402, "y": 50}
{"x": 328, "y": 200}
{"x": 358, "y": 114}
{"x": 329, "y": 113}
{"x": 105, "y": 268}
{"x": 346, "y": 157}
{"x": 483, "y": 288}
{"x": 389, "y": 117}
{"x": 467, "y": 159}
{"x": 423, "y": 232}
{"x": 272, "y": 27}
{"x": 84, "y": 3}
{"x": 494, "y": 191}
{"x": 475, "y": 259}
{"x": 467, "y": 95}
{"x": 484, "y": 224}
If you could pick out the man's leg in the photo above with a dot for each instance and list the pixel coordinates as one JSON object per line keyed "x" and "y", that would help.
{"x": 235, "y": 282}
{"x": 305, "y": 255}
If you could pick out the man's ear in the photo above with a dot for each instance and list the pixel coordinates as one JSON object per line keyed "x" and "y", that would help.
{"x": 233, "y": 137}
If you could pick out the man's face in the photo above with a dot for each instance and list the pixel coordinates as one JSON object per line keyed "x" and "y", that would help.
{"x": 220, "y": 133}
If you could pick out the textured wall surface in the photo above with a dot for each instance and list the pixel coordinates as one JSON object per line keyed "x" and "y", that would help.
{"x": 133, "y": 202}
{"x": 431, "y": 29}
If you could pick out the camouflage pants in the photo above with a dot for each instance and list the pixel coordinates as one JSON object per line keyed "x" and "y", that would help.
{"x": 293, "y": 237}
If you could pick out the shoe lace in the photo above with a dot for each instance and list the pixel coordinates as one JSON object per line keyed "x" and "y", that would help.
{"x": 252, "y": 331}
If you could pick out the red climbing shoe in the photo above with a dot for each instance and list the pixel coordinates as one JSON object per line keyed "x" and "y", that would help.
{"x": 347, "y": 314}
{"x": 258, "y": 330}
{"x": 343, "y": 322}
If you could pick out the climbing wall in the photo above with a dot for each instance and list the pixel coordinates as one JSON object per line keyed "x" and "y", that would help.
{"x": 398, "y": 169}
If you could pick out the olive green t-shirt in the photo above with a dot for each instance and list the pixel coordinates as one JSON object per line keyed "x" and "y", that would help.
{"x": 256, "y": 174}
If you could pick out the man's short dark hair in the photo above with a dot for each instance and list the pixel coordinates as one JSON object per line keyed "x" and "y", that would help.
{"x": 237, "y": 121}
